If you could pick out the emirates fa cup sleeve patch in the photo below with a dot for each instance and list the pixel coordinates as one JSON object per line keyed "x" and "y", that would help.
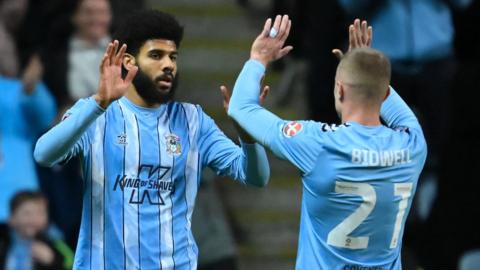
{"x": 291, "y": 129}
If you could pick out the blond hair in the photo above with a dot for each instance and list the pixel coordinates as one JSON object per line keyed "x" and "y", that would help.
{"x": 367, "y": 72}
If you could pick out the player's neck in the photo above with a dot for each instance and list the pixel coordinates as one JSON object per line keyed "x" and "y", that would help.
{"x": 136, "y": 99}
{"x": 363, "y": 116}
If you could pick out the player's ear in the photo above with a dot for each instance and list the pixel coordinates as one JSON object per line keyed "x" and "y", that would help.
{"x": 129, "y": 61}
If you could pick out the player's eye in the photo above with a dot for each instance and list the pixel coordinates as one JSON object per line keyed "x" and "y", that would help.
{"x": 174, "y": 57}
{"x": 154, "y": 55}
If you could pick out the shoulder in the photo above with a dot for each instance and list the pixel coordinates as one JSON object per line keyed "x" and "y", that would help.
{"x": 193, "y": 112}
{"x": 79, "y": 104}
{"x": 293, "y": 128}
{"x": 9, "y": 82}
{"x": 189, "y": 107}
{"x": 303, "y": 129}
{"x": 332, "y": 128}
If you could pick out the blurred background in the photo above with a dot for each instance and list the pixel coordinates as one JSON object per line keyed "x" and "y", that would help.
{"x": 50, "y": 51}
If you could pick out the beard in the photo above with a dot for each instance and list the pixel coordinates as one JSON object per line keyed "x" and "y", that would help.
{"x": 150, "y": 92}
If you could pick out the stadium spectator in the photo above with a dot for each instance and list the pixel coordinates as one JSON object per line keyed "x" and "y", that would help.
{"x": 11, "y": 14}
{"x": 72, "y": 63}
{"x": 27, "y": 110}
{"x": 142, "y": 153}
{"x": 355, "y": 202}
{"x": 72, "y": 58}
{"x": 25, "y": 243}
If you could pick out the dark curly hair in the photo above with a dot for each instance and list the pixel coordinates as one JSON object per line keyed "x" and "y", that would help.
{"x": 144, "y": 25}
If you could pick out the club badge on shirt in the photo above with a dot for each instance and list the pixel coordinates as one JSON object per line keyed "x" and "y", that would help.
{"x": 173, "y": 144}
{"x": 291, "y": 129}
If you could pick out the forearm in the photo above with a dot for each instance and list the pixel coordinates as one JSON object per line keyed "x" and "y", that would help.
{"x": 39, "y": 106}
{"x": 244, "y": 105}
{"x": 60, "y": 141}
{"x": 396, "y": 113}
{"x": 256, "y": 167}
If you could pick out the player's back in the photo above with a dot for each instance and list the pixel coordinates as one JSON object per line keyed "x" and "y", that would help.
{"x": 357, "y": 196}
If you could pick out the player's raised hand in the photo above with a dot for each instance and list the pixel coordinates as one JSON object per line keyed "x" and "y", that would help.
{"x": 226, "y": 101}
{"x": 112, "y": 86}
{"x": 359, "y": 36}
{"x": 226, "y": 95}
{"x": 268, "y": 46}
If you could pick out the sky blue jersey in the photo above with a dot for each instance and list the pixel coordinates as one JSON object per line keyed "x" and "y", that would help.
{"x": 358, "y": 181}
{"x": 23, "y": 117}
{"x": 142, "y": 170}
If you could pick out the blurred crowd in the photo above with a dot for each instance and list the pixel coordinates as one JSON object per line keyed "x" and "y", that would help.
{"x": 50, "y": 51}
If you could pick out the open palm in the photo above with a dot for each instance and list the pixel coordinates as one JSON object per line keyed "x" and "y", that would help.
{"x": 360, "y": 35}
{"x": 112, "y": 86}
{"x": 265, "y": 48}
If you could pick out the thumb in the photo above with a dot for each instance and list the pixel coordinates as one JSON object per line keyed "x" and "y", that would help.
{"x": 226, "y": 96}
{"x": 264, "y": 94}
{"x": 338, "y": 53}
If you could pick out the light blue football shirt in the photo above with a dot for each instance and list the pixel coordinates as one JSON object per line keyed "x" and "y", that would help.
{"x": 358, "y": 181}
{"x": 142, "y": 170}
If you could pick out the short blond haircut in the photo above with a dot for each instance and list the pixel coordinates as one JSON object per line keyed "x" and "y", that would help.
{"x": 367, "y": 71}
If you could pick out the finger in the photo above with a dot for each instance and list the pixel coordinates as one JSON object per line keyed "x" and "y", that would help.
{"x": 131, "y": 74}
{"x": 287, "y": 31}
{"x": 364, "y": 32}
{"x": 266, "y": 28}
{"x": 226, "y": 96}
{"x": 109, "y": 49}
{"x": 120, "y": 54}
{"x": 109, "y": 52}
{"x": 370, "y": 36}
{"x": 103, "y": 62}
{"x": 283, "y": 27}
{"x": 278, "y": 20}
{"x": 284, "y": 51}
{"x": 225, "y": 93}
{"x": 352, "y": 42}
{"x": 338, "y": 53}
{"x": 264, "y": 94}
{"x": 357, "y": 32}
{"x": 113, "y": 52}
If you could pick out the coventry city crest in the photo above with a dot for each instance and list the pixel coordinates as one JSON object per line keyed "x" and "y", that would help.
{"x": 173, "y": 144}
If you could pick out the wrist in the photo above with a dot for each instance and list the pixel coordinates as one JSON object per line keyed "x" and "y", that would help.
{"x": 259, "y": 59}
{"x": 101, "y": 101}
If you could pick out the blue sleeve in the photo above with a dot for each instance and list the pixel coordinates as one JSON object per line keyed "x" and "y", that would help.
{"x": 396, "y": 113}
{"x": 297, "y": 142}
{"x": 39, "y": 107}
{"x": 248, "y": 164}
{"x": 69, "y": 137}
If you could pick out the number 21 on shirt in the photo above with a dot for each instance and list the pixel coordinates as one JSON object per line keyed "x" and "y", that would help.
{"x": 339, "y": 236}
